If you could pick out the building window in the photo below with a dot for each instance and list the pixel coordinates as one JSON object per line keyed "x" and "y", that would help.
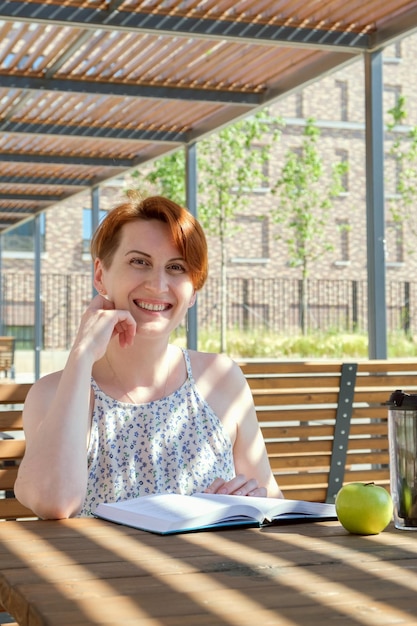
{"x": 393, "y": 53}
{"x": 394, "y": 243}
{"x": 342, "y": 86}
{"x": 88, "y": 228}
{"x": 21, "y": 240}
{"x": 344, "y": 230}
{"x": 342, "y": 156}
{"x": 392, "y": 170}
{"x": 299, "y": 104}
{"x": 251, "y": 243}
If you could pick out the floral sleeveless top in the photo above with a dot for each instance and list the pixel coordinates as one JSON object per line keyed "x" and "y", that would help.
{"x": 173, "y": 445}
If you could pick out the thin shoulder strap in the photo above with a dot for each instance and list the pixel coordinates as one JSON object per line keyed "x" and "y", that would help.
{"x": 187, "y": 363}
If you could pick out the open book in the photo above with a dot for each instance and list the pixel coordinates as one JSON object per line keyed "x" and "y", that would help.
{"x": 174, "y": 513}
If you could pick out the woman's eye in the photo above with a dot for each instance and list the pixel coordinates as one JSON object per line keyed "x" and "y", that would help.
{"x": 177, "y": 267}
{"x": 138, "y": 261}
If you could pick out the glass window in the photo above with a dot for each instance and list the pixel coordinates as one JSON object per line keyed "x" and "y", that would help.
{"x": 394, "y": 242}
{"x": 342, "y": 86}
{"x": 21, "y": 238}
{"x": 88, "y": 228}
{"x": 344, "y": 248}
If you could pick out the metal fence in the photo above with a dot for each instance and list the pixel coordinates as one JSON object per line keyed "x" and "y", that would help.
{"x": 272, "y": 304}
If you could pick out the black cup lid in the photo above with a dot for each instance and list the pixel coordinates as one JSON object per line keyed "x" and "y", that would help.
{"x": 400, "y": 399}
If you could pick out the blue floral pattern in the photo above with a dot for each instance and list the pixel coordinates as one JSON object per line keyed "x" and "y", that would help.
{"x": 173, "y": 445}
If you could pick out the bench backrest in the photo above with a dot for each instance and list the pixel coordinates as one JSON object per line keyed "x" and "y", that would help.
{"x": 12, "y": 446}
{"x": 325, "y": 423}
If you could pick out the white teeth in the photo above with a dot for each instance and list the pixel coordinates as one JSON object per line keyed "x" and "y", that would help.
{"x": 152, "y": 307}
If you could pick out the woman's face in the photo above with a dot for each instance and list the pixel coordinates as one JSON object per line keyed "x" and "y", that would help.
{"x": 148, "y": 277}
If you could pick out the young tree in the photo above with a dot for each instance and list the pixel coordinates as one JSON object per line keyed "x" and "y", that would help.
{"x": 404, "y": 151}
{"x": 304, "y": 204}
{"x": 167, "y": 175}
{"x": 230, "y": 166}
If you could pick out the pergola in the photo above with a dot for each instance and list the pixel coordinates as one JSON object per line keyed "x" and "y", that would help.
{"x": 91, "y": 89}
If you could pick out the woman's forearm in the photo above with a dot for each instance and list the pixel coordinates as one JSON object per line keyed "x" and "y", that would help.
{"x": 52, "y": 476}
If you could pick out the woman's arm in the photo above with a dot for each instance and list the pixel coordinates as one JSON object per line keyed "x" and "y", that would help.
{"x": 227, "y": 391}
{"x": 52, "y": 476}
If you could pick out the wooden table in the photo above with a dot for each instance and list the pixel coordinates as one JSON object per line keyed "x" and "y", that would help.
{"x": 87, "y": 571}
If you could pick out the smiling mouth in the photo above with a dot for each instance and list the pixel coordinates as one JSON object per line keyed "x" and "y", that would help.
{"x": 152, "y": 307}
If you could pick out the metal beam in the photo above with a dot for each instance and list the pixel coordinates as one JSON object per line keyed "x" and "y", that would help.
{"x": 50, "y": 180}
{"x": 251, "y": 31}
{"x": 38, "y": 297}
{"x": 58, "y": 130}
{"x": 374, "y": 133}
{"x": 130, "y": 90}
{"x": 59, "y": 159}
{"x": 29, "y": 197}
{"x": 191, "y": 199}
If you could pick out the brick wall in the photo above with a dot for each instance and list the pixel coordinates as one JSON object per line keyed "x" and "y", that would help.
{"x": 337, "y": 102}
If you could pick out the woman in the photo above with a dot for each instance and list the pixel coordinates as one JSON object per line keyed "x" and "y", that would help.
{"x": 132, "y": 414}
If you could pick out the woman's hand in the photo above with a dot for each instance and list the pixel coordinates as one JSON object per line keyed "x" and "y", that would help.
{"x": 238, "y": 486}
{"x": 100, "y": 323}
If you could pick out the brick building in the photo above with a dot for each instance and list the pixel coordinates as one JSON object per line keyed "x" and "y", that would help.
{"x": 337, "y": 103}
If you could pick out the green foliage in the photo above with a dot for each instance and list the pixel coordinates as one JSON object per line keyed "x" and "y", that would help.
{"x": 304, "y": 201}
{"x": 231, "y": 164}
{"x": 326, "y": 345}
{"x": 404, "y": 150}
{"x": 167, "y": 177}
{"x": 304, "y": 205}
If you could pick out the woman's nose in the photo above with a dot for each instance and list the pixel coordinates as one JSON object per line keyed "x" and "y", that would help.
{"x": 157, "y": 280}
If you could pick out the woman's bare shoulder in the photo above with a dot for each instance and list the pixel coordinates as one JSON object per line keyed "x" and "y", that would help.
{"x": 215, "y": 365}
{"x": 45, "y": 385}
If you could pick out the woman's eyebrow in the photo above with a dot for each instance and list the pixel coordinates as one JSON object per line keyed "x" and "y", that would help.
{"x": 138, "y": 252}
{"x": 175, "y": 258}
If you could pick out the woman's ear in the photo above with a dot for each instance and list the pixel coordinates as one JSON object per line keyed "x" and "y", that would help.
{"x": 98, "y": 277}
{"x": 192, "y": 301}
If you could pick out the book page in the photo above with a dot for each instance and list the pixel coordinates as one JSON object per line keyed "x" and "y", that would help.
{"x": 274, "y": 508}
{"x": 170, "y": 512}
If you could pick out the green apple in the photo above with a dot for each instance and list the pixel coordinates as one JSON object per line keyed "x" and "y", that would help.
{"x": 364, "y": 508}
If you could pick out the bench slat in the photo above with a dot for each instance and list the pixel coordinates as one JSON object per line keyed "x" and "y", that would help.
{"x": 11, "y": 449}
{"x": 13, "y": 393}
{"x": 11, "y": 420}
{"x": 8, "y": 477}
{"x": 10, "y": 508}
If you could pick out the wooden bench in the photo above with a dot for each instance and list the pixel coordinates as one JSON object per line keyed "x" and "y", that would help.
{"x": 7, "y": 346}
{"x": 324, "y": 422}
{"x": 12, "y": 446}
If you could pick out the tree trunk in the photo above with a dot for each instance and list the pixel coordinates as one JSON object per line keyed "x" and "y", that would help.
{"x": 304, "y": 300}
{"x": 223, "y": 284}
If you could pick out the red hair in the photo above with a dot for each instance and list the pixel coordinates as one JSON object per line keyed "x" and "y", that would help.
{"x": 187, "y": 233}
